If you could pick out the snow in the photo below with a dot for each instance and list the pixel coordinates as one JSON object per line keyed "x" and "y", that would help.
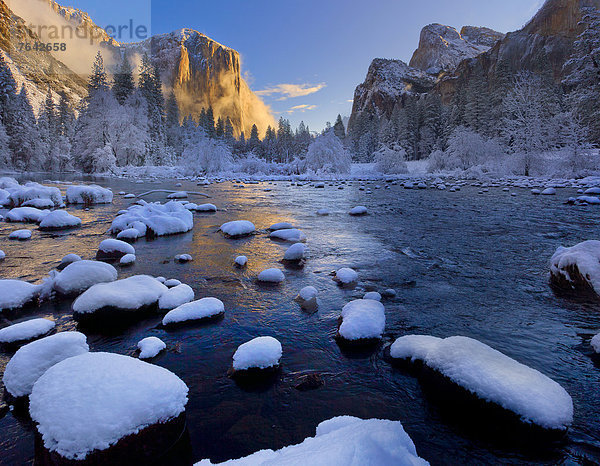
{"x": 259, "y": 353}
{"x": 16, "y": 293}
{"x": 172, "y": 282}
{"x": 585, "y": 257}
{"x": 127, "y": 259}
{"x": 2, "y": 255}
{"x": 130, "y": 234}
{"x": 68, "y": 259}
{"x": 288, "y": 234}
{"x": 594, "y": 190}
{"x": 295, "y": 252}
{"x": 495, "y": 377}
{"x": 359, "y": 210}
{"x": 155, "y": 219}
{"x": 238, "y": 228}
{"x": 23, "y": 193}
{"x": 81, "y": 275}
{"x": 26, "y": 215}
{"x": 178, "y": 195}
{"x": 183, "y": 258}
{"x": 129, "y": 294}
{"x": 39, "y": 203}
{"x": 372, "y": 295}
{"x": 281, "y": 226}
{"x": 323, "y": 212}
{"x": 150, "y": 347}
{"x": 308, "y": 293}
{"x": 27, "y": 330}
{"x": 175, "y": 297}
{"x": 116, "y": 247}
{"x": 90, "y": 401}
{"x": 271, "y": 276}
{"x": 196, "y": 310}
{"x": 342, "y": 441}
{"x": 241, "y": 261}
{"x": 206, "y": 208}
{"x": 362, "y": 319}
{"x": 549, "y": 192}
{"x": 91, "y": 194}
{"x": 596, "y": 343}
{"x": 59, "y": 219}
{"x": 33, "y": 359}
{"x": 346, "y": 276}
{"x": 413, "y": 347}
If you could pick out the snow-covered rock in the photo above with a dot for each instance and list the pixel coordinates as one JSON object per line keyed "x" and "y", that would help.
{"x": 272, "y": 275}
{"x": 343, "y": 441}
{"x": 241, "y": 261}
{"x": 178, "y": 195}
{"x": 362, "y": 319}
{"x": 281, "y": 226}
{"x": 205, "y": 308}
{"x": 359, "y": 210}
{"x": 58, "y": 220}
{"x": 183, "y": 258}
{"x": 81, "y": 275}
{"x": 25, "y": 331}
{"x": 150, "y": 346}
{"x": 113, "y": 249}
{"x": 172, "y": 282}
{"x": 549, "y": 192}
{"x": 23, "y": 193}
{"x": 577, "y": 268}
{"x": 41, "y": 204}
{"x": 91, "y": 401}
{"x": 26, "y": 215}
{"x": 346, "y": 276}
{"x": 205, "y": 208}
{"x": 259, "y": 353}
{"x": 594, "y": 190}
{"x": 15, "y": 294}
{"x": 88, "y": 195}
{"x": 127, "y": 259}
{"x": 307, "y": 297}
{"x": 130, "y": 234}
{"x": 323, "y": 212}
{"x": 68, "y": 259}
{"x": 175, "y": 297}
{"x": 2, "y": 255}
{"x": 238, "y": 228}
{"x": 288, "y": 234}
{"x": 596, "y": 343}
{"x": 129, "y": 295}
{"x": 372, "y": 295}
{"x": 155, "y": 219}
{"x": 295, "y": 252}
{"x": 33, "y": 359}
{"x": 413, "y": 347}
{"x": 20, "y": 235}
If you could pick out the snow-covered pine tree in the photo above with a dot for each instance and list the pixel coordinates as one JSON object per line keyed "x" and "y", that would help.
{"x": 220, "y": 128}
{"x": 98, "y": 80}
{"x": 123, "y": 84}
{"x": 209, "y": 122}
{"x": 173, "y": 127}
{"x": 48, "y": 131}
{"x": 254, "y": 140}
{"x": 150, "y": 86}
{"x": 22, "y": 129}
{"x": 339, "y": 129}
{"x": 5, "y": 158}
{"x": 228, "y": 133}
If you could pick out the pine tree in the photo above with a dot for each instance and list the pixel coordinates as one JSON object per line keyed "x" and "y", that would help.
{"x": 48, "y": 131}
{"x": 98, "y": 79}
{"x": 228, "y": 132}
{"x": 8, "y": 91}
{"x": 123, "y": 85}
{"x": 150, "y": 86}
{"x": 339, "y": 129}
{"x": 5, "y": 158}
{"x": 23, "y": 133}
{"x": 254, "y": 140}
{"x": 209, "y": 123}
{"x": 173, "y": 128}
{"x": 220, "y": 128}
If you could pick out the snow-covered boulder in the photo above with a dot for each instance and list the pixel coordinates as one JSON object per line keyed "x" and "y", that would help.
{"x": 295, "y": 252}
{"x": 577, "y": 269}
{"x": 20, "y": 235}
{"x": 26, "y": 331}
{"x": 127, "y": 260}
{"x": 259, "y": 353}
{"x": 59, "y": 220}
{"x": 307, "y": 297}
{"x": 26, "y": 215}
{"x": 346, "y": 276}
{"x": 323, "y": 212}
{"x": 413, "y": 347}
{"x": 241, "y": 261}
{"x": 15, "y": 294}
{"x": 288, "y": 234}
{"x": 33, "y": 359}
{"x": 113, "y": 249}
{"x": 2, "y": 255}
{"x": 549, "y": 192}
{"x": 67, "y": 260}
{"x": 175, "y": 297}
{"x": 171, "y": 282}
{"x": 183, "y": 258}
{"x": 128, "y": 296}
{"x": 178, "y": 195}
{"x": 594, "y": 191}
{"x": 343, "y": 441}
{"x": 88, "y": 195}
{"x": 271, "y": 276}
{"x": 81, "y": 275}
{"x": 596, "y": 343}
{"x": 41, "y": 204}
{"x": 150, "y": 347}
{"x": 155, "y": 219}
{"x": 206, "y": 208}
{"x": 238, "y": 228}
{"x": 359, "y": 210}
{"x": 202, "y": 309}
{"x": 23, "y": 193}
{"x": 87, "y": 403}
{"x": 372, "y": 295}
{"x": 130, "y": 234}
{"x": 362, "y": 319}
{"x": 281, "y": 226}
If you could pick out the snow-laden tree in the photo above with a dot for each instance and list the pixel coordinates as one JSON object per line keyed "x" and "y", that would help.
{"x": 128, "y": 131}
{"x": 103, "y": 159}
{"x": 391, "y": 161}
{"x": 22, "y": 130}
{"x": 205, "y": 155}
{"x": 123, "y": 84}
{"x": 150, "y": 86}
{"x": 339, "y": 129}
{"x": 327, "y": 154}
{"x": 4, "y": 148}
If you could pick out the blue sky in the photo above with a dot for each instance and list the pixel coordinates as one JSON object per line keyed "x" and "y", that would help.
{"x": 308, "y": 56}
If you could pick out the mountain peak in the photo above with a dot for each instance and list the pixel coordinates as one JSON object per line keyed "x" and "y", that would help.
{"x": 559, "y": 18}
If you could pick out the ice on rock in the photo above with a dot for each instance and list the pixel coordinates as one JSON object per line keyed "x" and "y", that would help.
{"x": 91, "y": 401}
{"x": 577, "y": 267}
{"x": 80, "y": 275}
{"x": 39, "y": 204}
{"x": 15, "y": 294}
{"x": 241, "y": 261}
{"x": 88, "y": 194}
{"x": 183, "y": 258}
{"x": 413, "y": 347}
{"x": 24, "y": 331}
{"x": 59, "y": 219}
{"x": 175, "y": 297}
{"x": 150, "y": 346}
{"x": 362, "y": 319}
{"x": 372, "y": 295}
{"x": 359, "y": 210}
{"x": 130, "y": 294}
{"x": 288, "y": 234}
{"x": 33, "y": 359}
{"x": 259, "y": 353}
{"x": 155, "y": 219}
{"x": 271, "y": 276}
{"x": 26, "y": 215}
{"x": 596, "y": 343}
{"x": 494, "y": 377}
{"x": 127, "y": 259}
{"x": 346, "y": 276}
{"x": 23, "y": 193}
{"x": 238, "y": 228}
{"x": 295, "y": 252}
{"x": 205, "y": 308}
{"x": 343, "y": 441}
{"x": 281, "y": 226}
{"x": 114, "y": 249}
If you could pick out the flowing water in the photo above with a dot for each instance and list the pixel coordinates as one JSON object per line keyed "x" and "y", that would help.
{"x": 462, "y": 263}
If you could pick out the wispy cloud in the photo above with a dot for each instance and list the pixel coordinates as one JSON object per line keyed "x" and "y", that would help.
{"x": 287, "y": 91}
{"x": 301, "y": 108}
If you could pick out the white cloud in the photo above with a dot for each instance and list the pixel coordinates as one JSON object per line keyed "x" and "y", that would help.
{"x": 287, "y": 91}
{"x": 301, "y": 108}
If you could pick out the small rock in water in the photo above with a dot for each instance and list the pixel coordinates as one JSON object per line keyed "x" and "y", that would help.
{"x": 127, "y": 259}
{"x": 309, "y": 382}
{"x": 259, "y": 353}
{"x": 150, "y": 346}
{"x": 549, "y": 192}
{"x": 323, "y": 212}
{"x": 295, "y": 252}
{"x": 271, "y": 276}
{"x": 372, "y": 295}
{"x": 596, "y": 343}
{"x": 307, "y": 298}
{"x": 67, "y": 260}
{"x": 20, "y": 235}
{"x": 172, "y": 282}
{"x": 389, "y": 293}
{"x": 358, "y": 211}
{"x": 113, "y": 249}
{"x": 202, "y": 309}
{"x": 241, "y": 261}
{"x": 183, "y": 258}
{"x": 346, "y": 276}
